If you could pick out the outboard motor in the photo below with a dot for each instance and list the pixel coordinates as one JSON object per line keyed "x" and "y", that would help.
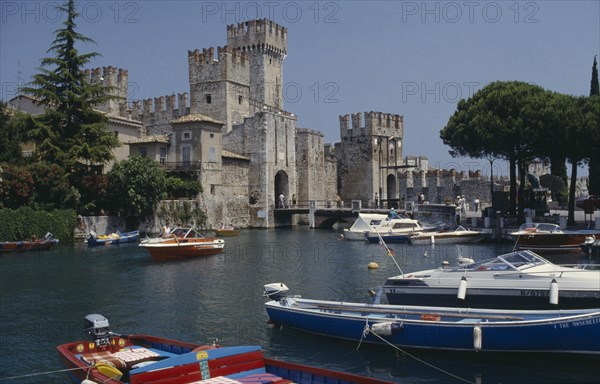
{"x": 97, "y": 326}
{"x": 275, "y": 291}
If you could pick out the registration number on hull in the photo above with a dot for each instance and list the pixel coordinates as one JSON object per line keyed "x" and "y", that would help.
{"x": 534, "y": 293}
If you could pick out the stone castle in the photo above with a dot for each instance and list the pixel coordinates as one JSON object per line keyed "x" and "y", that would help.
{"x": 232, "y": 130}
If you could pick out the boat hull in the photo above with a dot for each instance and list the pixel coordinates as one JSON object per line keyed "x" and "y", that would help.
{"x": 184, "y": 248}
{"x": 447, "y": 238}
{"x": 181, "y": 362}
{"x": 227, "y": 232}
{"x": 570, "y": 334}
{"x": 500, "y": 298}
{"x": 388, "y": 238}
{"x": 551, "y": 242}
{"x": 21, "y": 246}
{"x": 129, "y": 237}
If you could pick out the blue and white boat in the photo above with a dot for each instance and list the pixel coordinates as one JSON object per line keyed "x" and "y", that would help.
{"x": 112, "y": 239}
{"x": 440, "y": 328}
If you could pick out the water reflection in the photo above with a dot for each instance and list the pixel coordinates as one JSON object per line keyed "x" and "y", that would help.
{"x": 45, "y": 296}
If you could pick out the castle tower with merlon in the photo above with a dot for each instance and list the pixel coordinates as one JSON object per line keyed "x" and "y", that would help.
{"x": 220, "y": 87}
{"x": 117, "y": 79}
{"x": 375, "y": 124}
{"x": 266, "y": 43}
{"x": 370, "y": 155}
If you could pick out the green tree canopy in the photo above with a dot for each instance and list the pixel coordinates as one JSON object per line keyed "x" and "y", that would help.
{"x": 502, "y": 120}
{"x": 594, "y": 165}
{"x": 70, "y": 133}
{"x": 136, "y": 186}
{"x": 10, "y": 136}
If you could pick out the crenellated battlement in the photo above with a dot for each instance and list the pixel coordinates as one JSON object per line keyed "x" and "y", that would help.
{"x": 375, "y": 123}
{"x": 229, "y": 64}
{"x": 109, "y": 76}
{"x": 261, "y": 35}
{"x": 158, "y": 112}
{"x": 224, "y": 55}
{"x": 117, "y": 79}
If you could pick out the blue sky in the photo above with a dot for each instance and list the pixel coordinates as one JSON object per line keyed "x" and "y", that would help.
{"x": 414, "y": 58}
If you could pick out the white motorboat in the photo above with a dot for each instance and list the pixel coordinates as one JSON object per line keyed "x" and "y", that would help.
{"x": 396, "y": 230}
{"x": 364, "y": 223}
{"x": 516, "y": 280}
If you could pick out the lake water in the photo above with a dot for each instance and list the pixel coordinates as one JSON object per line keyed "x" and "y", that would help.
{"x": 45, "y": 296}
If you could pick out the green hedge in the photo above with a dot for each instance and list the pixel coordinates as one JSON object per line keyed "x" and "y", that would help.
{"x": 23, "y": 223}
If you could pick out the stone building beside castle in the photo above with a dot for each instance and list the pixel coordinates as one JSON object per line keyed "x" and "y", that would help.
{"x": 232, "y": 130}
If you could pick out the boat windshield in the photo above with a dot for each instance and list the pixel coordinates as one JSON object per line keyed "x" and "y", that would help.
{"x": 540, "y": 227}
{"x": 186, "y": 233}
{"x": 516, "y": 261}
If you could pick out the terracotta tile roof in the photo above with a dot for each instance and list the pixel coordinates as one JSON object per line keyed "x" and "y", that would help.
{"x": 196, "y": 117}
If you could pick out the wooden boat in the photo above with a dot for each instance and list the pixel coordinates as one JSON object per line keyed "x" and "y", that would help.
{"x": 443, "y": 328}
{"x": 29, "y": 245}
{"x": 227, "y": 231}
{"x": 112, "y": 358}
{"x": 112, "y": 239}
{"x": 516, "y": 280}
{"x": 458, "y": 236}
{"x": 183, "y": 243}
{"x": 548, "y": 237}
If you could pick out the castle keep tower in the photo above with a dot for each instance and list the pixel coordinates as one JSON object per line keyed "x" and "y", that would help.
{"x": 370, "y": 156}
{"x": 220, "y": 88}
{"x": 266, "y": 44}
{"x": 117, "y": 79}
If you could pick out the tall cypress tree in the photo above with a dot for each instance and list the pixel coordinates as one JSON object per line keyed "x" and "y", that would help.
{"x": 70, "y": 132}
{"x": 594, "y": 165}
{"x": 595, "y": 85}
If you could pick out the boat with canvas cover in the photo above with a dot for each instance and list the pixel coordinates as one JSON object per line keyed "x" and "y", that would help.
{"x": 516, "y": 280}
{"x": 182, "y": 243}
{"x": 396, "y": 230}
{"x": 364, "y": 223}
{"x": 440, "y": 328}
{"x": 111, "y": 358}
{"x": 112, "y": 238}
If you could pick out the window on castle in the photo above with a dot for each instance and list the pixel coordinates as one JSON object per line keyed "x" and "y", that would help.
{"x": 163, "y": 156}
{"x": 142, "y": 151}
{"x": 211, "y": 154}
{"x": 240, "y": 98}
{"x": 212, "y": 189}
{"x": 186, "y": 135}
{"x": 208, "y": 99}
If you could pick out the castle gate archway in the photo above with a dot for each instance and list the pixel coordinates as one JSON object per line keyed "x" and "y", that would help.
{"x": 281, "y": 188}
{"x": 392, "y": 191}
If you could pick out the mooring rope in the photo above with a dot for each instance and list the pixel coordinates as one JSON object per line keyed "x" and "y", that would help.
{"x": 368, "y": 330}
{"x": 42, "y": 373}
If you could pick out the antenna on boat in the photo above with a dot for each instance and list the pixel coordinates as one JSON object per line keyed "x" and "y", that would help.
{"x": 389, "y": 251}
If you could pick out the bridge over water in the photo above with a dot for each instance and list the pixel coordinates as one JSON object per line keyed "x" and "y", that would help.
{"x": 323, "y": 215}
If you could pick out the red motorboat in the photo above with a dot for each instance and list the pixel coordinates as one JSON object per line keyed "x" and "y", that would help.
{"x": 182, "y": 243}
{"x": 112, "y": 358}
{"x": 28, "y": 245}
